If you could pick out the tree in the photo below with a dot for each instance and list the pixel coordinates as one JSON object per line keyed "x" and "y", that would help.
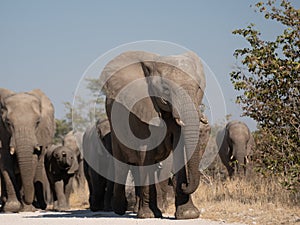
{"x": 63, "y": 126}
{"x": 81, "y": 115}
{"x": 267, "y": 76}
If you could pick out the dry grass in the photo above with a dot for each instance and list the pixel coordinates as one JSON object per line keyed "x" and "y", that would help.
{"x": 252, "y": 201}
{"x": 79, "y": 198}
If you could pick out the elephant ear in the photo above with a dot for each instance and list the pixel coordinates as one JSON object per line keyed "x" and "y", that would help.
{"x": 250, "y": 145}
{"x": 46, "y": 129}
{"x": 49, "y": 158}
{"x": 75, "y": 165}
{"x": 123, "y": 80}
{"x": 103, "y": 128}
{"x": 4, "y": 93}
{"x": 78, "y": 137}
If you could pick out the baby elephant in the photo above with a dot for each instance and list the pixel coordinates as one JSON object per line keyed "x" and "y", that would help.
{"x": 235, "y": 143}
{"x": 61, "y": 165}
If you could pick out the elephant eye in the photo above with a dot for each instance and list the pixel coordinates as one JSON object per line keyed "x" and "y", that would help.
{"x": 38, "y": 122}
{"x": 166, "y": 90}
{"x": 9, "y": 123}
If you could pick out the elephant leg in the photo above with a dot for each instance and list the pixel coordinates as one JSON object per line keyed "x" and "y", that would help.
{"x": 60, "y": 195}
{"x": 185, "y": 208}
{"x": 119, "y": 198}
{"x": 137, "y": 191}
{"x": 108, "y": 195}
{"x": 148, "y": 201}
{"x": 227, "y": 162}
{"x": 9, "y": 196}
{"x": 40, "y": 198}
{"x": 40, "y": 185}
{"x": 162, "y": 194}
{"x": 98, "y": 192}
{"x": 68, "y": 189}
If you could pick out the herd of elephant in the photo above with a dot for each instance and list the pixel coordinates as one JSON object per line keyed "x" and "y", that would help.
{"x": 153, "y": 119}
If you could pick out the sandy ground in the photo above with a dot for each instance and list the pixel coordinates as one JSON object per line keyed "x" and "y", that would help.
{"x": 82, "y": 217}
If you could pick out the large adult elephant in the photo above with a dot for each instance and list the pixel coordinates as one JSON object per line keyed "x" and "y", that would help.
{"x": 152, "y": 103}
{"x": 235, "y": 143}
{"x": 27, "y": 127}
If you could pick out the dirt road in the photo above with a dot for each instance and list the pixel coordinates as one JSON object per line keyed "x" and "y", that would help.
{"x": 82, "y": 217}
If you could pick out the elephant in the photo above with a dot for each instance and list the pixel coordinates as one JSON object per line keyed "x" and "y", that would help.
{"x": 73, "y": 140}
{"x": 97, "y": 138}
{"x": 61, "y": 164}
{"x": 153, "y": 106}
{"x": 27, "y": 127}
{"x": 236, "y": 144}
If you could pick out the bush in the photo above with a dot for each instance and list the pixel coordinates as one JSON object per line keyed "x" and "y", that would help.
{"x": 267, "y": 75}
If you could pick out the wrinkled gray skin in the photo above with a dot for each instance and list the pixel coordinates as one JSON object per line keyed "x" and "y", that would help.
{"x": 73, "y": 140}
{"x": 235, "y": 143}
{"x": 27, "y": 127}
{"x": 171, "y": 105}
{"x": 61, "y": 165}
{"x": 97, "y": 146}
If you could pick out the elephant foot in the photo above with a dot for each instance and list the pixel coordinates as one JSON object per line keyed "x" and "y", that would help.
{"x": 108, "y": 208}
{"x": 40, "y": 205}
{"x": 12, "y": 206}
{"x": 163, "y": 206}
{"x": 136, "y": 207}
{"x": 120, "y": 207}
{"x": 187, "y": 211}
{"x": 61, "y": 207}
{"x": 28, "y": 208}
{"x": 146, "y": 212}
{"x": 96, "y": 206}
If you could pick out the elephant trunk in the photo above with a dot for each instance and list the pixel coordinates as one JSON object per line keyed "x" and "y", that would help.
{"x": 27, "y": 161}
{"x": 190, "y": 127}
{"x": 239, "y": 153}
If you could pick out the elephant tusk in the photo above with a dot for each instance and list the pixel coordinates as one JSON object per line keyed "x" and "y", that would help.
{"x": 38, "y": 148}
{"x": 247, "y": 159}
{"x": 163, "y": 101}
{"x": 180, "y": 122}
{"x": 203, "y": 120}
{"x": 12, "y": 150}
{"x": 231, "y": 157}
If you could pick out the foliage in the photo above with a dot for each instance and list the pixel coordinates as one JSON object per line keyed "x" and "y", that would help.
{"x": 268, "y": 79}
{"x": 63, "y": 126}
{"x": 84, "y": 113}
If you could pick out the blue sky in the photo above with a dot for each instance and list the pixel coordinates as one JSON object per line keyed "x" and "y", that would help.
{"x": 49, "y": 44}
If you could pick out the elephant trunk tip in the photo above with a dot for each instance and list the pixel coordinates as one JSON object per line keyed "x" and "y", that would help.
{"x": 189, "y": 189}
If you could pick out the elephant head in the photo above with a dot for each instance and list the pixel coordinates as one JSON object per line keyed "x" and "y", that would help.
{"x": 28, "y": 118}
{"x": 235, "y": 143}
{"x": 157, "y": 85}
{"x": 73, "y": 140}
{"x": 62, "y": 158}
